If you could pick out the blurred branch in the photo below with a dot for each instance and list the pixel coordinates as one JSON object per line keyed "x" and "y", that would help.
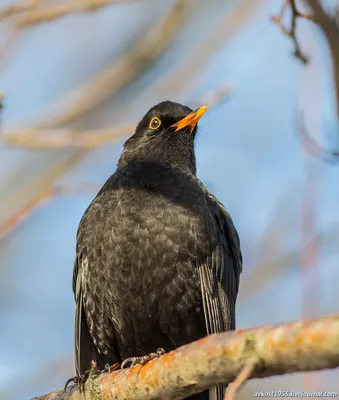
{"x": 2, "y": 96}
{"x": 51, "y": 13}
{"x": 312, "y": 146}
{"x": 214, "y": 97}
{"x": 219, "y": 359}
{"x": 8, "y": 43}
{"x": 56, "y": 139}
{"x": 62, "y": 10}
{"x": 187, "y": 71}
{"x": 17, "y": 8}
{"x": 144, "y": 51}
{"x": 28, "y": 7}
{"x": 330, "y": 28}
{"x": 15, "y": 220}
{"x": 291, "y": 32}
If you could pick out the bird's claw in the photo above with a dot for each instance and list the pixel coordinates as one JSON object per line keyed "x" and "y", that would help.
{"x": 81, "y": 379}
{"x": 160, "y": 352}
{"x": 77, "y": 380}
{"x": 144, "y": 359}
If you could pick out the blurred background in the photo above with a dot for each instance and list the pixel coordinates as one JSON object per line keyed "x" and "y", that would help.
{"x": 76, "y": 76}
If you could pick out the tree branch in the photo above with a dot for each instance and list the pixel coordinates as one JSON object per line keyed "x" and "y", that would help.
{"x": 219, "y": 359}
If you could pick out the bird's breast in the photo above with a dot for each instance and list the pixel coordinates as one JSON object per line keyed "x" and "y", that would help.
{"x": 152, "y": 224}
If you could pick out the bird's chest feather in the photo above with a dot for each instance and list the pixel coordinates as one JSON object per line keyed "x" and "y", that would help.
{"x": 152, "y": 231}
{"x": 148, "y": 235}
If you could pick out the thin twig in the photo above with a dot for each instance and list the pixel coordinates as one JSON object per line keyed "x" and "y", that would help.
{"x": 291, "y": 32}
{"x": 243, "y": 376}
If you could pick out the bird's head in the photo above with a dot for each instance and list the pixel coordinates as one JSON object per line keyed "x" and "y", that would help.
{"x": 165, "y": 135}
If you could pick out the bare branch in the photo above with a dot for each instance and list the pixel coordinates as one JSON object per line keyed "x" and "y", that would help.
{"x": 291, "y": 32}
{"x": 219, "y": 359}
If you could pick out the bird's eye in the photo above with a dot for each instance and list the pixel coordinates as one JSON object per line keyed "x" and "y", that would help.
{"x": 155, "y": 123}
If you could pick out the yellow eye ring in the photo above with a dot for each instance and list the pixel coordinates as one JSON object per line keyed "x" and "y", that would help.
{"x": 155, "y": 123}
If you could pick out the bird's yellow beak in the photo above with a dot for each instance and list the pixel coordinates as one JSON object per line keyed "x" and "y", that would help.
{"x": 190, "y": 119}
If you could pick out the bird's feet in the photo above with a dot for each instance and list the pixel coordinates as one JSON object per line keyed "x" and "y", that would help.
{"x": 77, "y": 380}
{"x": 81, "y": 379}
{"x": 132, "y": 361}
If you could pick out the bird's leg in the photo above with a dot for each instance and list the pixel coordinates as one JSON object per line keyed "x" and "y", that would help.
{"x": 81, "y": 379}
{"x": 142, "y": 360}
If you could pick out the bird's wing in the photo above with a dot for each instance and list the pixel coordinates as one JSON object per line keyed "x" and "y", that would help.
{"x": 84, "y": 348}
{"x": 94, "y": 332}
{"x": 219, "y": 276}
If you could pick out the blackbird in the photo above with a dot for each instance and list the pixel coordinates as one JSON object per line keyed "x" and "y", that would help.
{"x": 158, "y": 258}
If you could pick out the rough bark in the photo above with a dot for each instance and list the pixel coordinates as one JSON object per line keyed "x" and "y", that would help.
{"x": 271, "y": 350}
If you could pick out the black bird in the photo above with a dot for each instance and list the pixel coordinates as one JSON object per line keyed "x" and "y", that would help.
{"x": 158, "y": 258}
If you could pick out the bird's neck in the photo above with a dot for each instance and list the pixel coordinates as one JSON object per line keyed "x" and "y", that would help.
{"x": 181, "y": 158}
